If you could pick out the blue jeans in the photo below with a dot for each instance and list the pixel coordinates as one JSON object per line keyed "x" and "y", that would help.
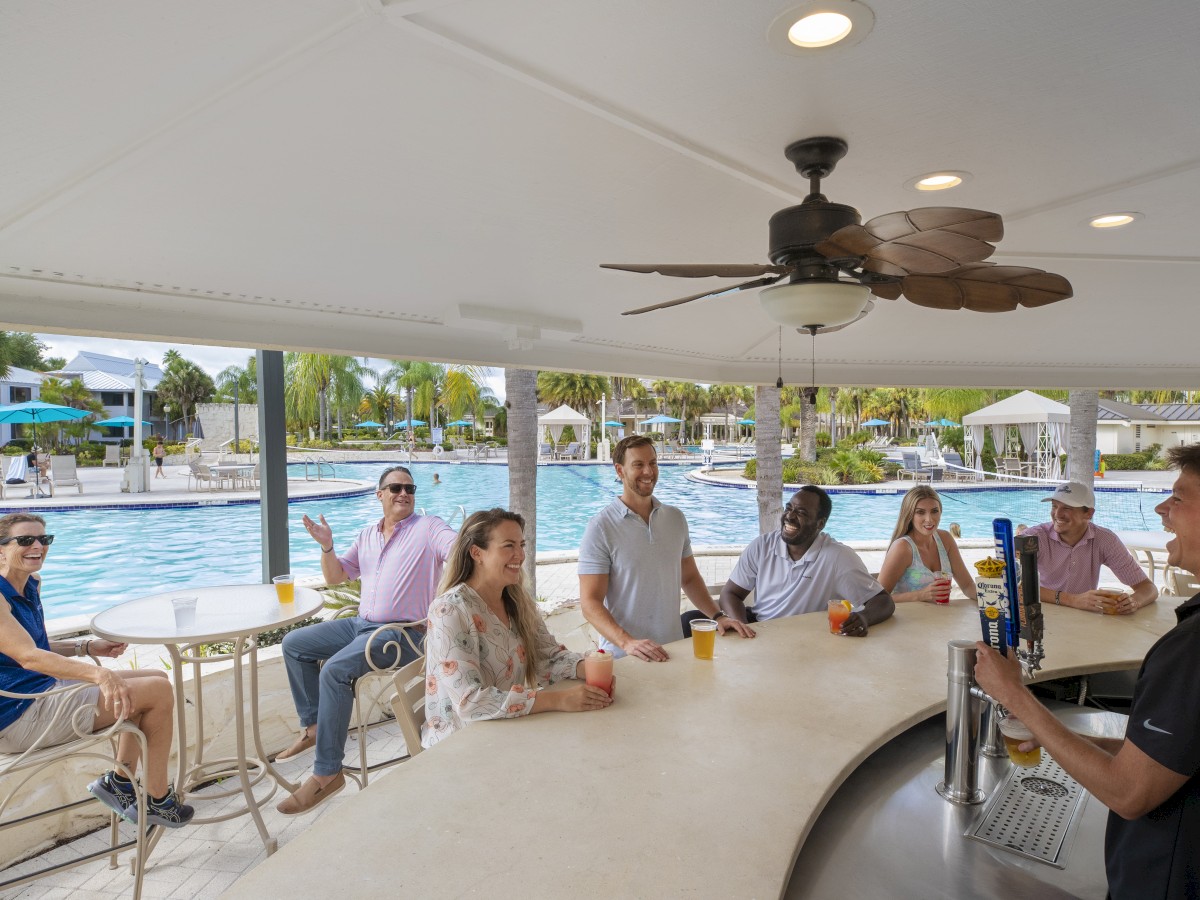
{"x": 324, "y": 695}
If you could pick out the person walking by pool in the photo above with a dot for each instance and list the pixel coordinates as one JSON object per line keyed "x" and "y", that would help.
{"x": 1150, "y": 779}
{"x": 1071, "y": 551}
{"x": 30, "y": 663}
{"x": 634, "y": 557}
{"x": 797, "y": 569}
{"x": 488, "y": 651}
{"x": 160, "y": 453}
{"x": 399, "y": 559}
{"x": 922, "y": 558}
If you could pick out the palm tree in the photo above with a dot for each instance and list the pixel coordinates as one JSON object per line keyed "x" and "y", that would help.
{"x": 770, "y": 459}
{"x": 520, "y": 390}
{"x": 578, "y": 391}
{"x": 1081, "y": 445}
{"x": 314, "y": 379}
{"x": 377, "y": 402}
{"x": 73, "y": 393}
{"x": 408, "y": 377}
{"x": 244, "y": 379}
{"x": 184, "y": 385}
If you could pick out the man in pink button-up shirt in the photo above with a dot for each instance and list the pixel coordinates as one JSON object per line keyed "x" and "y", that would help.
{"x": 399, "y": 560}
{"x": 1071, "y": 551}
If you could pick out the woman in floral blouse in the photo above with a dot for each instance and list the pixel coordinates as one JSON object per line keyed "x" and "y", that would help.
{"x": 488, "y": 652}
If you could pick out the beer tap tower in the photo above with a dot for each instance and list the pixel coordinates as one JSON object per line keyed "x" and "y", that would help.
{"x": 1008, "y": 616}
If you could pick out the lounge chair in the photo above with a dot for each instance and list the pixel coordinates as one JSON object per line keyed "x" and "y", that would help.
{"x": 18, "y": 473}
{"x": 572, "y": 451}
{"x": 545, "y": 452}
{"x": 63, "y": 472}
{"x": 112, "y": 454}
{"x": 956, "y": 469}
{"x": 912, "y": 468}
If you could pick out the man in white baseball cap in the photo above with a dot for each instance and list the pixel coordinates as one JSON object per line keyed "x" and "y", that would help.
{"x": 1071, "y": 551}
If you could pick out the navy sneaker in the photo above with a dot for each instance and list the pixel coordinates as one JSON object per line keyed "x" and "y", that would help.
{"x": 167, "y": 812}
{"x": 116, "y": 794}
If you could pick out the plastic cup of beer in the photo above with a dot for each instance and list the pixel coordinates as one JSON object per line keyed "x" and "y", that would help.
{"x": 839, "y": 612}
{"x": 285, "y": 587}
{"x": 1015, "y": 733}
{"x": 941, "y": 587}
{"x": 1112, "y": 598}
{"x": 185, "y": 611}
{"x": 704, "y": 638}
{"x": 597, "y": 670}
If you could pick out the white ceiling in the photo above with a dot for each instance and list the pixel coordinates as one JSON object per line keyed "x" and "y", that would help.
{"x": 428, "y": 179}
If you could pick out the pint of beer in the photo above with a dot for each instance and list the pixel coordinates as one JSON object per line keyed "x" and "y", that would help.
{"x": 1015, "y": 733}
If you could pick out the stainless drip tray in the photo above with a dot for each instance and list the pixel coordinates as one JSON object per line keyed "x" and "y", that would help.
{"x": 1033, "y": 813}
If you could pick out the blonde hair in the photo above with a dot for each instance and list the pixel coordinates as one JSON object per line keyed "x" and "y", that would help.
{"x": 908, "y": 509}
{"x": 518, "y": 603}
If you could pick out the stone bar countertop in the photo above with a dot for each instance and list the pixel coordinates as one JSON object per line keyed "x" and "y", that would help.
{"x": 702, "y": 780}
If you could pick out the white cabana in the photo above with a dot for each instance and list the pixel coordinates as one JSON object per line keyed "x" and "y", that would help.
{"x": 1042, "y": 423}
{"x": 558, "y": 419}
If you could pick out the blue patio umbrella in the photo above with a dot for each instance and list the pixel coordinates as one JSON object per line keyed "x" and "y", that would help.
{"x": 745, "y": 421}
{"x": 874, "y": 423}
{"x": 460, "y": 423}
{"x": 414, "y": 423}
{"x": 611, "y": 424}
{"x": 120, "y": 422}
{"x": 661, "y": 420}
{"x": 942, "y": 423}
{"x": 35, "y": 412}
{"x": 370, "y": 424}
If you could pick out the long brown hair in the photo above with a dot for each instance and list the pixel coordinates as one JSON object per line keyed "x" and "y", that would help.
{"x": 909, "y": 508}
{"x": 518, "y": 603}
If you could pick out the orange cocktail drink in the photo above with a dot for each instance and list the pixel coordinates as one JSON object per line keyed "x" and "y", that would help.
{"x": 598, "y": 670}
{"x": 839, "y": 612}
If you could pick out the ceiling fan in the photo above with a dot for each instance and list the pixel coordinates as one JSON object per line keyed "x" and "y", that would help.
{"x": 932, "y": 256}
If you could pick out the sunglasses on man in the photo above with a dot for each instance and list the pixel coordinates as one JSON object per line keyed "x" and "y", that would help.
{"x": 397, "y": 488}
{"x": 26, "y": 540}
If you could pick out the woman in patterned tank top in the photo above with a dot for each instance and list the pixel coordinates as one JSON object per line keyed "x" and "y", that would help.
{"x": 922, "y": 557}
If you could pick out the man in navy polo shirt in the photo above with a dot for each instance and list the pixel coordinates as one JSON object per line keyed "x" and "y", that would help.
{"x": 1150, "y": 780}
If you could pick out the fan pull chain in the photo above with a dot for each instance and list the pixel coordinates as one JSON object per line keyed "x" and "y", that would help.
{"x": 779, "y": 380}
{"x": 813, "y": 381}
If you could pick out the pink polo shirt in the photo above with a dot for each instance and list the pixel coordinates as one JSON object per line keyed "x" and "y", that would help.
{"x": 1077, "y": 569}
{"x": 399, "y": 578}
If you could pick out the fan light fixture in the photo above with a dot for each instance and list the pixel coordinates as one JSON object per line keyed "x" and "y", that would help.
{"x": 814, "y": 304}
{"x": 818, "y": 24}
{"x": 1113, "y": 220}
{"x": 938, "y": 181}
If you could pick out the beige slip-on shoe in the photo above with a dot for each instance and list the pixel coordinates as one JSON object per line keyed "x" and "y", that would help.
{"x": 303, "y": 744}
{"x": 310, "y": 795}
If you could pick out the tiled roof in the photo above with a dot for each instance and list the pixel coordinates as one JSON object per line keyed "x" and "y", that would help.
{"x": 1175, "y": 412}
{"x": 1116, "y": 411}
{"x": 17, "y": 375}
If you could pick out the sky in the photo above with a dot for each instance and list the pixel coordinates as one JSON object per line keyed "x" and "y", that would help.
{"x": 211, "y": 359}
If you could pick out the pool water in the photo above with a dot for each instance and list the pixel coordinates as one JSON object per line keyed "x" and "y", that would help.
{"x": 102, "y": 557}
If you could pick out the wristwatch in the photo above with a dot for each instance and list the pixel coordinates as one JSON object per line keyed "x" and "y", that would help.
{"x": 79, "y": 647}
{"x": 719, "y": 614}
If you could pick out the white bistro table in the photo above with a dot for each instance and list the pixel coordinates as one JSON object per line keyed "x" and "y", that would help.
{"x": 235, "y": 613}
{"x": 233, "y": 471}
{"x": 1147, "y": 543}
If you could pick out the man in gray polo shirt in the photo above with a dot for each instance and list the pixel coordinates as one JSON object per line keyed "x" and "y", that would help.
{"x": 797, "y": 568}
{"x": 634, "y": 558}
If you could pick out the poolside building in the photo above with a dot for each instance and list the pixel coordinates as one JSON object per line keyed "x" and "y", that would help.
{"x": 18, "y": 386}
{"x": 110, "y": 379}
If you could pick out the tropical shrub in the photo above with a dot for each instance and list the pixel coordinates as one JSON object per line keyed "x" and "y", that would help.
{"x": 824, "y": 438}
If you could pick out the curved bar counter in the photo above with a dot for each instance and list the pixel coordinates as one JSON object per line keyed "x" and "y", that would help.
{"x": 703, "y": 779}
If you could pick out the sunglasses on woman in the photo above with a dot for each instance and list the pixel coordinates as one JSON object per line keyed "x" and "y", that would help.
{"x": 26, "y": 540}
{"x": 397, "y": 488}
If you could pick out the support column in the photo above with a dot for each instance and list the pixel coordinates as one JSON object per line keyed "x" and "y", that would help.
{"x": 272, "y": 464}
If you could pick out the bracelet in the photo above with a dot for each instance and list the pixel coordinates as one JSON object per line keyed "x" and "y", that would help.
{"x": 329, "y": 550}
{"x": 79, "y": 647}
{"x": 720, "y": 614}
{"x": 1057, "y": 595}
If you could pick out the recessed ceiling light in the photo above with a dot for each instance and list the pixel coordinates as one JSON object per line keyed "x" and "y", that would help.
{"x": 819, "y": 24}
{"x": 1113, "y": 220}
{"x": 938, "y": 181}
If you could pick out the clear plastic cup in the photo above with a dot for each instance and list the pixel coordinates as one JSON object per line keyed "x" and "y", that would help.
{"x": 285, "y": 587}
{"x": 1015, "y": 733}
{"x": 598, "y": 669}
{"x": 941, "y": 587}
{"x": 185, "y": 611}
{"x": 704, "y": 638}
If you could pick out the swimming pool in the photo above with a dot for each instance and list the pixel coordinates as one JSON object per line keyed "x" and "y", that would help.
{"x": 102, "y": 557}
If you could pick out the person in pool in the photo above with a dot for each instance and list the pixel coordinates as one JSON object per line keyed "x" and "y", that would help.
{"x": 488, "y": 652}
{"x": 920, "y": 552}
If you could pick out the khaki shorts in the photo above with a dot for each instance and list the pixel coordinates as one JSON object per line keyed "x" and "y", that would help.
{"x": 59, "y": 709}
